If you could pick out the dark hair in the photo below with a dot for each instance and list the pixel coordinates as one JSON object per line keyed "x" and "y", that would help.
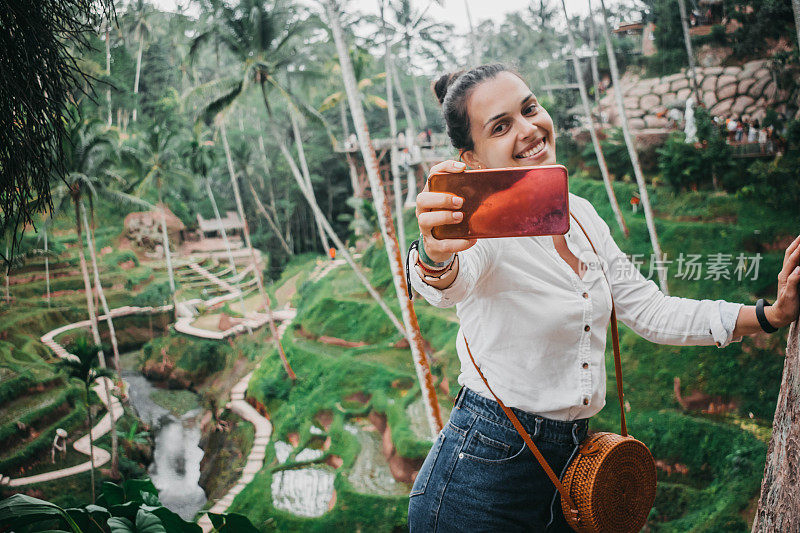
{"x": 452, "y": 90}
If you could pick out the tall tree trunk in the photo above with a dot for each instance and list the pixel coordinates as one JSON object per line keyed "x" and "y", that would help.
{"x": 637, "y": 168}
{"x": 91, "y": 440}
{"x": 351, "y": 165}
{"x": 473, "y": 38}
{"x": 301, "y": 155}
{"x": 93, "y": 325}
{"x": 99, "y": 289}
{"x": 165, "y": 240}
{"x": 46, "y": 267}
{"x": 312, "y": 203}
{"x": 423, "y": 117}
{"x": 593, "y": 48}
{"x": 387, "y": 228}
{"x": 256, "y": 268}
{"x": 687, "y": 41}
{"x": 232, "y": 262}
{"x": 138, "y": 71}
{"x": 393, "y": 153}
{"x": 108, "y": 69}
{"x": 111, "y": 331}
{"x": 270, "y": 221}
{"x": 601, "y": 160}
{"x": 779, "y": 504}
{"x": 411, "y": 135}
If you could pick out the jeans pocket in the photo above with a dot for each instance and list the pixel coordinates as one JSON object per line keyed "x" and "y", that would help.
{"x": 490, "y": 443}
{"x": 424, "y": 474}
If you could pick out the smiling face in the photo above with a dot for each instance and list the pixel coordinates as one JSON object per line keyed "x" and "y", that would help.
{"x": 508, "y": 126}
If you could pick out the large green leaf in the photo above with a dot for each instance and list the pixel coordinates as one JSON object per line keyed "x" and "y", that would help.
{"x": 121, "y": 525}
{"x": 172, "y": 521}
{"x": 111, "y": 494}
{"x": 91, "y": 519}
{"x": 148, "y": 523}
{"x": 231, "y": 523}
{"x": 21, "y": 510}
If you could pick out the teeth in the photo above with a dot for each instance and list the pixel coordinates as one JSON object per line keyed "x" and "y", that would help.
{"x": 533, "y": 151}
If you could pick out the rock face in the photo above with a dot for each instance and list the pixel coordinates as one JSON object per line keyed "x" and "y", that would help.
{"x": 746, "y": 91}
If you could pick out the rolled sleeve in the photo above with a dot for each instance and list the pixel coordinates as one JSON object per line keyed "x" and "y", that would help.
{"x": 660, "y": 318}
{"x": 472, "y": 266}
{"x": 723, "y": 324}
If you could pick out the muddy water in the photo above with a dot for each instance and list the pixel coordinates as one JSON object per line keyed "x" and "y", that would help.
{"x": 175, "y": 470}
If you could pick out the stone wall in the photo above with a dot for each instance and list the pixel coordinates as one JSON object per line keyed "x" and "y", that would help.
{"x": 745, "y": 91}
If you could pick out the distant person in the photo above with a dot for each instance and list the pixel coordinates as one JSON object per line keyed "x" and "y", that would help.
{"x": 740, "y": 125}
{"x": 752, "y": 133}
{"x": 534, "y": 312}
{"x": 732, "y": 126}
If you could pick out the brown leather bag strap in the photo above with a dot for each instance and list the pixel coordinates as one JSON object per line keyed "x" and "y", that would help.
{"x": 527, "y": 438}
{"x": 617, "y": 367}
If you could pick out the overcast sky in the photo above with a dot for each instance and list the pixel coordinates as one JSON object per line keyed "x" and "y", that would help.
{"x": 453, "y": 10}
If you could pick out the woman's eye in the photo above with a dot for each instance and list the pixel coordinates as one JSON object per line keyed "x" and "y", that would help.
{"x": 530, "y": 109}
{"x": 499, "y": 128}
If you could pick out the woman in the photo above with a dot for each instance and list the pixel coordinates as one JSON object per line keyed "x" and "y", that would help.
{"x": 535, "y": 312}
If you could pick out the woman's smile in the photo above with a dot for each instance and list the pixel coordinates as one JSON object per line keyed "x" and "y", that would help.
{"x": 533, "y": 152}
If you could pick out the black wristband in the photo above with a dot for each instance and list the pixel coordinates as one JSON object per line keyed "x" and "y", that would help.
{"x": 762, "y": 318}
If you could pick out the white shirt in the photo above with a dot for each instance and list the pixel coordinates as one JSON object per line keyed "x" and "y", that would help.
{"x": 533, "y": 324}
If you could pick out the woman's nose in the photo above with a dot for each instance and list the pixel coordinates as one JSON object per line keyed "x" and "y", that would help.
{"x": 525, "y": 128}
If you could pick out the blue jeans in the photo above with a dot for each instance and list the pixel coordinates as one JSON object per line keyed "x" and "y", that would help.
{"x": 480, "y": 476}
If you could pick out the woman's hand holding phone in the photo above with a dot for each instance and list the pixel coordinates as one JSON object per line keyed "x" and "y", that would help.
{"x": 437, "y": 209}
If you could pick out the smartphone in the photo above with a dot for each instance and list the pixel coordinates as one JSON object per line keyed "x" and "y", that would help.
{"x": 506, "y": 202}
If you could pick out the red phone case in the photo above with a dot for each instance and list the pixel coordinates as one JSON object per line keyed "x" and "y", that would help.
{"x": 506, "y": 202}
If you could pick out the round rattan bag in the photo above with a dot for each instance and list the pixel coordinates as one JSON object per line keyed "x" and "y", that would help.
{"x": 612, "y": 482}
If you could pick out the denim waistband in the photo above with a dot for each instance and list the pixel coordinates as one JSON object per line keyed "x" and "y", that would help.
{"x": 560, "y": 431}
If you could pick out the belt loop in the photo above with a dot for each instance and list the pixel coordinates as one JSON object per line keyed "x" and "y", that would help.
{"x": 537, "y": 427}
{"x": 575, "y": 439}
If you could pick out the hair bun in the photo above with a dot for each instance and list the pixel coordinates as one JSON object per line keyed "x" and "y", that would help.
{"x": 444, "y": 82}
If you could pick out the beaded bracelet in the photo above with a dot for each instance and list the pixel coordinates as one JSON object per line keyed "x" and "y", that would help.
{"x": 423, "y": 257}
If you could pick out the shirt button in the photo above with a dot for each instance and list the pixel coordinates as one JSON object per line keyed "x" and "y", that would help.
{"x": 585, "y": 365}
{"x": 460, "y": 455}
{"x": 585, "y": 295}
{"x": 586, "y": 401}
{"x": 586, "y": 327}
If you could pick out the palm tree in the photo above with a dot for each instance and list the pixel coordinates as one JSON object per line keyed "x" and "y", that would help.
{"x": 601, "y": 160}
{"x": 87, "y": 155}
{"x": 200, "y": 154}
{"x": 420, "y": 31}
{"x": 387, "y": 228}
{"x": 149, "y": 158}
{"x": 139, "y": 13}
{"x": 254, "y": 261}
{"x": 82, "y": 366}
{"x": 308, "y": 193}
{"x": 361, "y": 59}
{"x": 637, "y": 168}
